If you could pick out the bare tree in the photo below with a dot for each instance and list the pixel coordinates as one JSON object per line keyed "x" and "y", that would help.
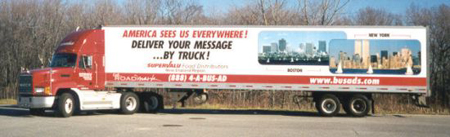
{"x": 142, "y": 12}
{"x": 105, "y": 12}
{"x": 324, "y": 12}
{"x": 18, "y": 18}
{"x": 437, "y": 20}
{"x": 261, "y": 12}
{"x": 377, "y": 17}
{"x": 241, "y": 16}
{"x": 181, "y": 12}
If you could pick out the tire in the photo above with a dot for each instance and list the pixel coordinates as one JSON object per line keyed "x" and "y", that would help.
{"x": 358, "y": 106}
{"x": 152, "y": 103}
{"x": 328, "y": 105}
{"x": 66, "y": 105}
{"x": 129, "y": 103}
{"x": 37, "y": 111}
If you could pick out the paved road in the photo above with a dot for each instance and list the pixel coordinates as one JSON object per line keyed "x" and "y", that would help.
{"x": 198, "y": 123}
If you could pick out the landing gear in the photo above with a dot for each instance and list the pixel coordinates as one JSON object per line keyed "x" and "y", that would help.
{"x": 181, "y": 95}
{"x": 201, "y": 97}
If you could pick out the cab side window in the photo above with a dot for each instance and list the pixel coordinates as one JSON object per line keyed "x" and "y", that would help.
{"x": 85, "y": 62}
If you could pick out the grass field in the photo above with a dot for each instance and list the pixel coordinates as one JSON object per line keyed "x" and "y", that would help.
{"x": 380, "y": 109}
{"x": 398, "y": 109}
{"x": 8, "y": 101}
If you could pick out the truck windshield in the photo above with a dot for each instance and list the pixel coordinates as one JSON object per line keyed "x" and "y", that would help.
{"x": 63, "y": 60}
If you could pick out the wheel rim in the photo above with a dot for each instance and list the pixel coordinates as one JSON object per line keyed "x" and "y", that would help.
{"x": 68, "y": 105}
{"x": 358, "y": 106}
{"x": 131, "y": 103}
{"x": 153, "y": 103}
{"x": 329, "y": 106}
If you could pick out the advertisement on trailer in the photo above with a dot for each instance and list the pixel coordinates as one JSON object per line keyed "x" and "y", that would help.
{"x": 323, "y": 56}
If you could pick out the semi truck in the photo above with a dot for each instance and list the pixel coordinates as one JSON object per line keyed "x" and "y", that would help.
{"x": 121, "y": 67}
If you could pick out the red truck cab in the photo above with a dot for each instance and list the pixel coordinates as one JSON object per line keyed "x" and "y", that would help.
{"x": 78, "y": 63}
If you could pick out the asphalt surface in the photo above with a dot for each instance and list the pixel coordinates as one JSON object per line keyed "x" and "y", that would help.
{"x": 215, "y": 123}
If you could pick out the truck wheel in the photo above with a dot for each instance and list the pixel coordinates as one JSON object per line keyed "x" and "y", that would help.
{"x": 66, "y": 105}
{"x": 328, "y": 105}
{"x": 37, "y": 111}
{"x": 129, "y": 103}
{"x": 152, "y": 103}
{"x": 358, "y": 106}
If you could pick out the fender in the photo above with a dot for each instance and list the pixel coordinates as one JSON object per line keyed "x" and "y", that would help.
{"x": 62, "y": 85}
{"x": 96, "y": 100}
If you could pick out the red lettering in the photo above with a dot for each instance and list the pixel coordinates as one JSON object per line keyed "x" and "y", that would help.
{"x": 125, "y": 34}
{"x": 168, "y": 33}
{"x": 139, "y": 33}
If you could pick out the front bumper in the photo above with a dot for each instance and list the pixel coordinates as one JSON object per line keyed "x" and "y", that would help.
{"x": 36, "y": 102}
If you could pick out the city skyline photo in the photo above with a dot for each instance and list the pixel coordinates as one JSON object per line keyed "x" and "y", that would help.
{"x": 375, "y": 56}
{"x": 296, "y": 47}
{"x": 295, "y": 38}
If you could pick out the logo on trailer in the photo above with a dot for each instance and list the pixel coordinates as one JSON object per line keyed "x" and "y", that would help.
{"x": 118, "y": 77}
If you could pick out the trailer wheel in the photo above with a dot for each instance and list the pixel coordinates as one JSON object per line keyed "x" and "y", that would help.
{"x": 66, "y": 105}
{"x": 152, "y": 103}
{"x": 328, "y": 105}
{"x": 358, "y": 106}
{"x": 129, "y": 103}
{"x": 37, "y": 111}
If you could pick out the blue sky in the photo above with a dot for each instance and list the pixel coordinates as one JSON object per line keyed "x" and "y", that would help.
{"x": 394, "y": 6}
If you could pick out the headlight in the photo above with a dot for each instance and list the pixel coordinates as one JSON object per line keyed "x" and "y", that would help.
{"x": 38, "y": 90}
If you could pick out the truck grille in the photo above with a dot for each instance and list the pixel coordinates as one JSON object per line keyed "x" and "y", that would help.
{"x": 25, "y": 84}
